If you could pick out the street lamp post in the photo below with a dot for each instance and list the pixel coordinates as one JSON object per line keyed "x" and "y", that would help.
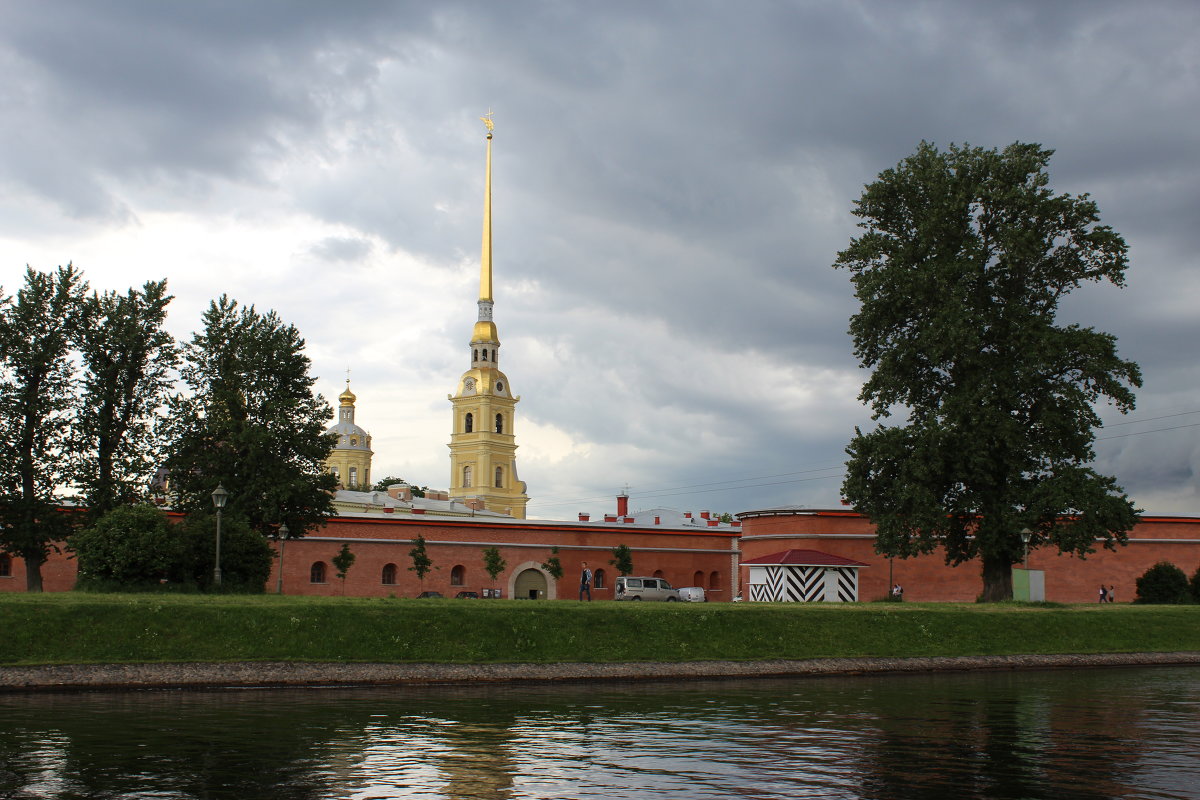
{"x": 219, "y": 497}
{"x": 1026, "y": 535}
{"x": 282, "y": 535}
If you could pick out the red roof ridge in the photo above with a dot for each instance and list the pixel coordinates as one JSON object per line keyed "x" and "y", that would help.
{"x": 804, "y": 558}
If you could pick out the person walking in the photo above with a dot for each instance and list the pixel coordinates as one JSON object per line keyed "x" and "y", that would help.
{"x": 585, "y": 583}
{"x": 1112, "y": 593}
{"x": 1103, "y": 594}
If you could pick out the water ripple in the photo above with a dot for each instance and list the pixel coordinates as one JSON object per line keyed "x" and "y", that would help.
{"x": 1129, "y": 733}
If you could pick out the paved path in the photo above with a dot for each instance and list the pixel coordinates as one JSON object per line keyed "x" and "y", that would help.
{"x": 269, "y": 674}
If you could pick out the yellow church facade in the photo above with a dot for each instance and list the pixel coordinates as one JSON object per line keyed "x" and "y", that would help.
{"x": 483, "y": 445}
{"x": 350, "y": 461}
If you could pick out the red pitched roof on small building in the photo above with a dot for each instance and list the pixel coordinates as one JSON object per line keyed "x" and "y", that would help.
{"x": 804, "y": 558}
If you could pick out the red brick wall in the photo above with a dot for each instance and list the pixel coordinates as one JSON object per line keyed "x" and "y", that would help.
{"x": 679, "y": 554}
{"x": 1069, "y": 579}
{"x": 377, "y": 542}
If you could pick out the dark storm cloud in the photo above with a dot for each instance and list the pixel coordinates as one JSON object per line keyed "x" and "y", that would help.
{"x": 687, "y": 164}
{"x": 149, "y": 91}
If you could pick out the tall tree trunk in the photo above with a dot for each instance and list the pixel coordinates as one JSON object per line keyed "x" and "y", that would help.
{"x": 33, "y": 575}
{"x": 997, "y": 579}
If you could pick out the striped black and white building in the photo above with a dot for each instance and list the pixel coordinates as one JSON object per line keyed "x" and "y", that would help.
{"x": 803, "y": 576}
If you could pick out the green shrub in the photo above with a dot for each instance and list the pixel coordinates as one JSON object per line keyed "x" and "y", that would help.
{"x": 245, "y": 555}
{"x": 128, "y": 548}
{"x": 1163, "y": 583}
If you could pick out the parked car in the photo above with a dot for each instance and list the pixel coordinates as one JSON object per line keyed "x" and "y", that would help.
{"x": 467, "y": 595}
{"x": 644, "y": 589}
{"x": 428, "y": 594}
{"x": 692, "y": 594}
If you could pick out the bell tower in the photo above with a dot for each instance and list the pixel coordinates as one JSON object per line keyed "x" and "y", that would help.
{"x": 483, "y": 446}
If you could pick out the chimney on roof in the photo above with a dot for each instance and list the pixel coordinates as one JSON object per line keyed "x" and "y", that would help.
{"x": 658, "y": 520}
{"x": 610, "y": 517}
{"x": 474, "y": 503}
{"x": 712, "y": 523}
{"x": 628, "y": 520}
{"x": 400, "y": 491}
{"x": 687, "y": 515}
{"x": 622, "y": 505}
{"x": 704, "y": 515}
{"x": 584, "y": 516}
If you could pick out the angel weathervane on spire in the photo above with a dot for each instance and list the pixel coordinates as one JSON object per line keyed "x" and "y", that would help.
{"x": 487, "y": 120}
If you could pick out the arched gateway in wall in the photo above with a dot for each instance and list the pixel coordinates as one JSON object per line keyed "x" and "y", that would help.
{"x": 530, "y": 582}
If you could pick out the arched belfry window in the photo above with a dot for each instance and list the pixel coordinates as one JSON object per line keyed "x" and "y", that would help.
{"x": 499, "y": 477}
{"x": 475, "y": 353}
{"x": 469, "y": 425}
{"x": 485, "y": 354}
{"x": 467, "y": 476}
{"x": 499, "y": 423}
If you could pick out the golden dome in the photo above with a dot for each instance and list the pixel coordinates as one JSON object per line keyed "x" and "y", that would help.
{"x": 485, "y": 331}
{"x": 347, "y": 397}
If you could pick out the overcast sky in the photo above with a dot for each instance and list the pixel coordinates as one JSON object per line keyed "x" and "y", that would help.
{"x": 672, "y": 181}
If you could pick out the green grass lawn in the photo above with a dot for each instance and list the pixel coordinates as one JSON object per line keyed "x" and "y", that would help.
{"x": 83, "y": 628}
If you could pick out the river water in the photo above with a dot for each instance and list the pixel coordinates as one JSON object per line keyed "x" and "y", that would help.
{"x": 1102, "y": 733}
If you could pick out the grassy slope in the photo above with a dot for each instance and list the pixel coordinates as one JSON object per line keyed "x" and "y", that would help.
{"x": 89, "y": 628}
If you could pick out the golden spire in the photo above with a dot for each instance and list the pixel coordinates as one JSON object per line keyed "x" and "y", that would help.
{"x": 485, "y": 262}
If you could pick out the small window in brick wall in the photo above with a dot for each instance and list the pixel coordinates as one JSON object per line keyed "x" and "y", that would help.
{"x": 457, "y": 574}
{"x": 317, "y": 573}
{"x": 389, "y": 575}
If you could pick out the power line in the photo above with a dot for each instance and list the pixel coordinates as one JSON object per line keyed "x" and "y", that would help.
{"x": 1154, "y": 430}
{"x": 697, "y": 488}
{"x": 1151, "y": 419}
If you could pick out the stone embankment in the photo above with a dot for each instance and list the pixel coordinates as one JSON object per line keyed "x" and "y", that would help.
{"x": 282, "y": 674}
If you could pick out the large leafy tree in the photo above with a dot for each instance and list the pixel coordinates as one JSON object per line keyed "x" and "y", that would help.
{"x": 251, "y": 422}
{"x": 130, "y": 547}
{"x": 36, "y": 394}
{"x": 959, "y": 275}
{"x": 127, "y": 361}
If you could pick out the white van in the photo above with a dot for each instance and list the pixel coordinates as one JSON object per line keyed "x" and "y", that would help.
{"x": 692, "y": 594}
{"x": 644, "y": 589}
